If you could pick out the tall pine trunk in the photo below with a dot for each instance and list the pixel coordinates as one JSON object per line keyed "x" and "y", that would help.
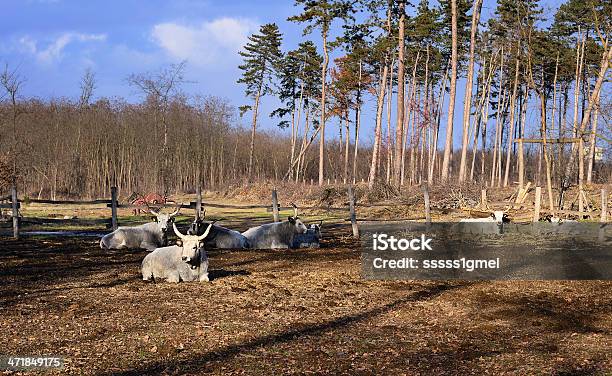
{"x": 399, "y": 128}
{"x": 467, "y": 99}
{"x": 357, "y": 125}
{"x": 380, "y": 101}
{"x": 253, "y": 127}
{"x": 511, "y": 130}
{"x": 592, "y": 143}
{"x": 453, "y": 89}
{"x": 322, "y": 123}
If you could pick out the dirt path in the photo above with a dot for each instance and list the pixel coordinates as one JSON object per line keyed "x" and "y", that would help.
{"x": 272, "y": 312}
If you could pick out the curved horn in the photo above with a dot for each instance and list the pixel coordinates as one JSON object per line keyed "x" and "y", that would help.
{"x": 205, "y": 234}
{"x": 142, "y": 197}
{"x": 178, "y": 209}
{"x": 177, "y": 232}
{"x": 295, "y": 209}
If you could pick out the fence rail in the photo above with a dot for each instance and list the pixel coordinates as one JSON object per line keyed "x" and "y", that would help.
{"x": 350, "y": 207}
{"x": 65, "y": 202}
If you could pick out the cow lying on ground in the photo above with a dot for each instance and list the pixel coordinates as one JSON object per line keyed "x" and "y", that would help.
{"x": 219, "y": 237}
{"x": 310, "y": 239}
{"x": 187, "y": 262}
{"x": 148, "y": 236}
{"x": 275, "y": 235}
{"x": 497, "y": 216}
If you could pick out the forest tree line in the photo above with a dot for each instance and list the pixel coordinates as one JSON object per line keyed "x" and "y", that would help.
{"x": 403, "y": 59}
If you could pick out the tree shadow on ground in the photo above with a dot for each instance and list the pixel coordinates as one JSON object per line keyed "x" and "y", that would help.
{"x": 215, "y": 274}
{"x": 199, "y": 362}
{"x": 545, "y": 311}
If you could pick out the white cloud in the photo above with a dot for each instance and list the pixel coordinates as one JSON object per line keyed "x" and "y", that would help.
{"x": 211, "y": 42}
{"x": 52, "y": 50}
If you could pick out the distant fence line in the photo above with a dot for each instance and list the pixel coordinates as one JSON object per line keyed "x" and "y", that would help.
{"x": 113, "y": 204}
{"x": 350, "y": 206}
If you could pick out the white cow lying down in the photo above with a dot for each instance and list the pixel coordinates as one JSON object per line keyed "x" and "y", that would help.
{"x": 178, "y": 263}
{"x": 148, "y": 236}
{"x": 497, "y": 216}
{"x": 310, "y": 239}
{"x": 275, "y": 235}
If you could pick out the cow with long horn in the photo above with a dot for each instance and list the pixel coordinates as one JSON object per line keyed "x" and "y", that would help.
{"x": 187, "y": 262}
{"x": 275, "y": 235}
{"x": 219, "y": 237}
{"x": 309, "y": 239}
{"x": 147, "y": 236}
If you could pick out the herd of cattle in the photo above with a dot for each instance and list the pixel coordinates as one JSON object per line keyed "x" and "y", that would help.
{"x": 187, "y": 260}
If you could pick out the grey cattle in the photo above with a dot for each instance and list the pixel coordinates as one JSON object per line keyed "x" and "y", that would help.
{"x": 219, "y": 237}
{"x": 497, "y": 216}
{"x": 275, "y": 235}
{"x": 148, "y": 236}
{"x": 187, "y": 262}
{"x": 310, "y": 239}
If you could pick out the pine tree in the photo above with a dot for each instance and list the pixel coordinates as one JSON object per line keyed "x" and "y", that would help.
{"x": 380, "y": 51}
{"x": 308, "y": 79}
{"x": 510, "y": 28}
{"x": 453, "y": 87}
{"x": 399, "y": 127}
{"x": 425, "y": 33}
{"x": 467, "y": 99}
{"x": 261, "y": 59}
{"x": 321, "y": 14}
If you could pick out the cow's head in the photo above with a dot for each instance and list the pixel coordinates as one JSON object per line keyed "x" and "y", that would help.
{"x": 164, "y": 220}
{"x": 500, "y": 217}
{"x": 298, "y": 225}
{"x": 316, "y": 229}
{"x": 196, "y": 226}
{"x": 192, "y": 245}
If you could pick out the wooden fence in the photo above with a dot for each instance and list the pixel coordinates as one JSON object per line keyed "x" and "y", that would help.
{"x": 197, "y": 205}
{"x": 12, "y": 202}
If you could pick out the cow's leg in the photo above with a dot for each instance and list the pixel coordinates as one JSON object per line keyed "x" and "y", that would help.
{"x": 148, "y": 246}
{"x": 279, "y": 245}
{"x": 173, "y": 278}
{"x": 204, "y": 269}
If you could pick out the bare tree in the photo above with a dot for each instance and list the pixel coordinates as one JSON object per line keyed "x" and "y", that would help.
{"x": 12, "y": 82}
{"x": 88, "y": 85}
{"x": 159, "y": 87}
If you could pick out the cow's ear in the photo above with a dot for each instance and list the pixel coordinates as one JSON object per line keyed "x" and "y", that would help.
{"x": 291, "y": 220}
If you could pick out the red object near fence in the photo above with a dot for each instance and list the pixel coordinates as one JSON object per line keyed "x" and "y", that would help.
{"x": 148, "y": 199}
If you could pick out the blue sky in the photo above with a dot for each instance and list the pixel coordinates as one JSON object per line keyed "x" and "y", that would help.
{"x": 52, "y": 42}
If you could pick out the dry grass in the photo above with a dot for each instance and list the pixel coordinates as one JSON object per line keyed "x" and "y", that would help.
{"x": 290, "y": 312}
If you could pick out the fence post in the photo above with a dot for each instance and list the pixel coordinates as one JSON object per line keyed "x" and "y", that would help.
{"x": 483, "y": 199}
{"x": 15, "y": 212}
{"x": 425, "y": 189}
{"x": 275, "y": 205}
{"x": 352, "y": 212}
{"x": 604, "y": 205}
{"x": 538, "y": 203}
{"x": 198, "y": 207}
{"x": 114, "y": 208}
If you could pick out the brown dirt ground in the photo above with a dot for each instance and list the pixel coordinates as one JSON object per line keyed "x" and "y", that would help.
{"x": 290, "y": 312}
